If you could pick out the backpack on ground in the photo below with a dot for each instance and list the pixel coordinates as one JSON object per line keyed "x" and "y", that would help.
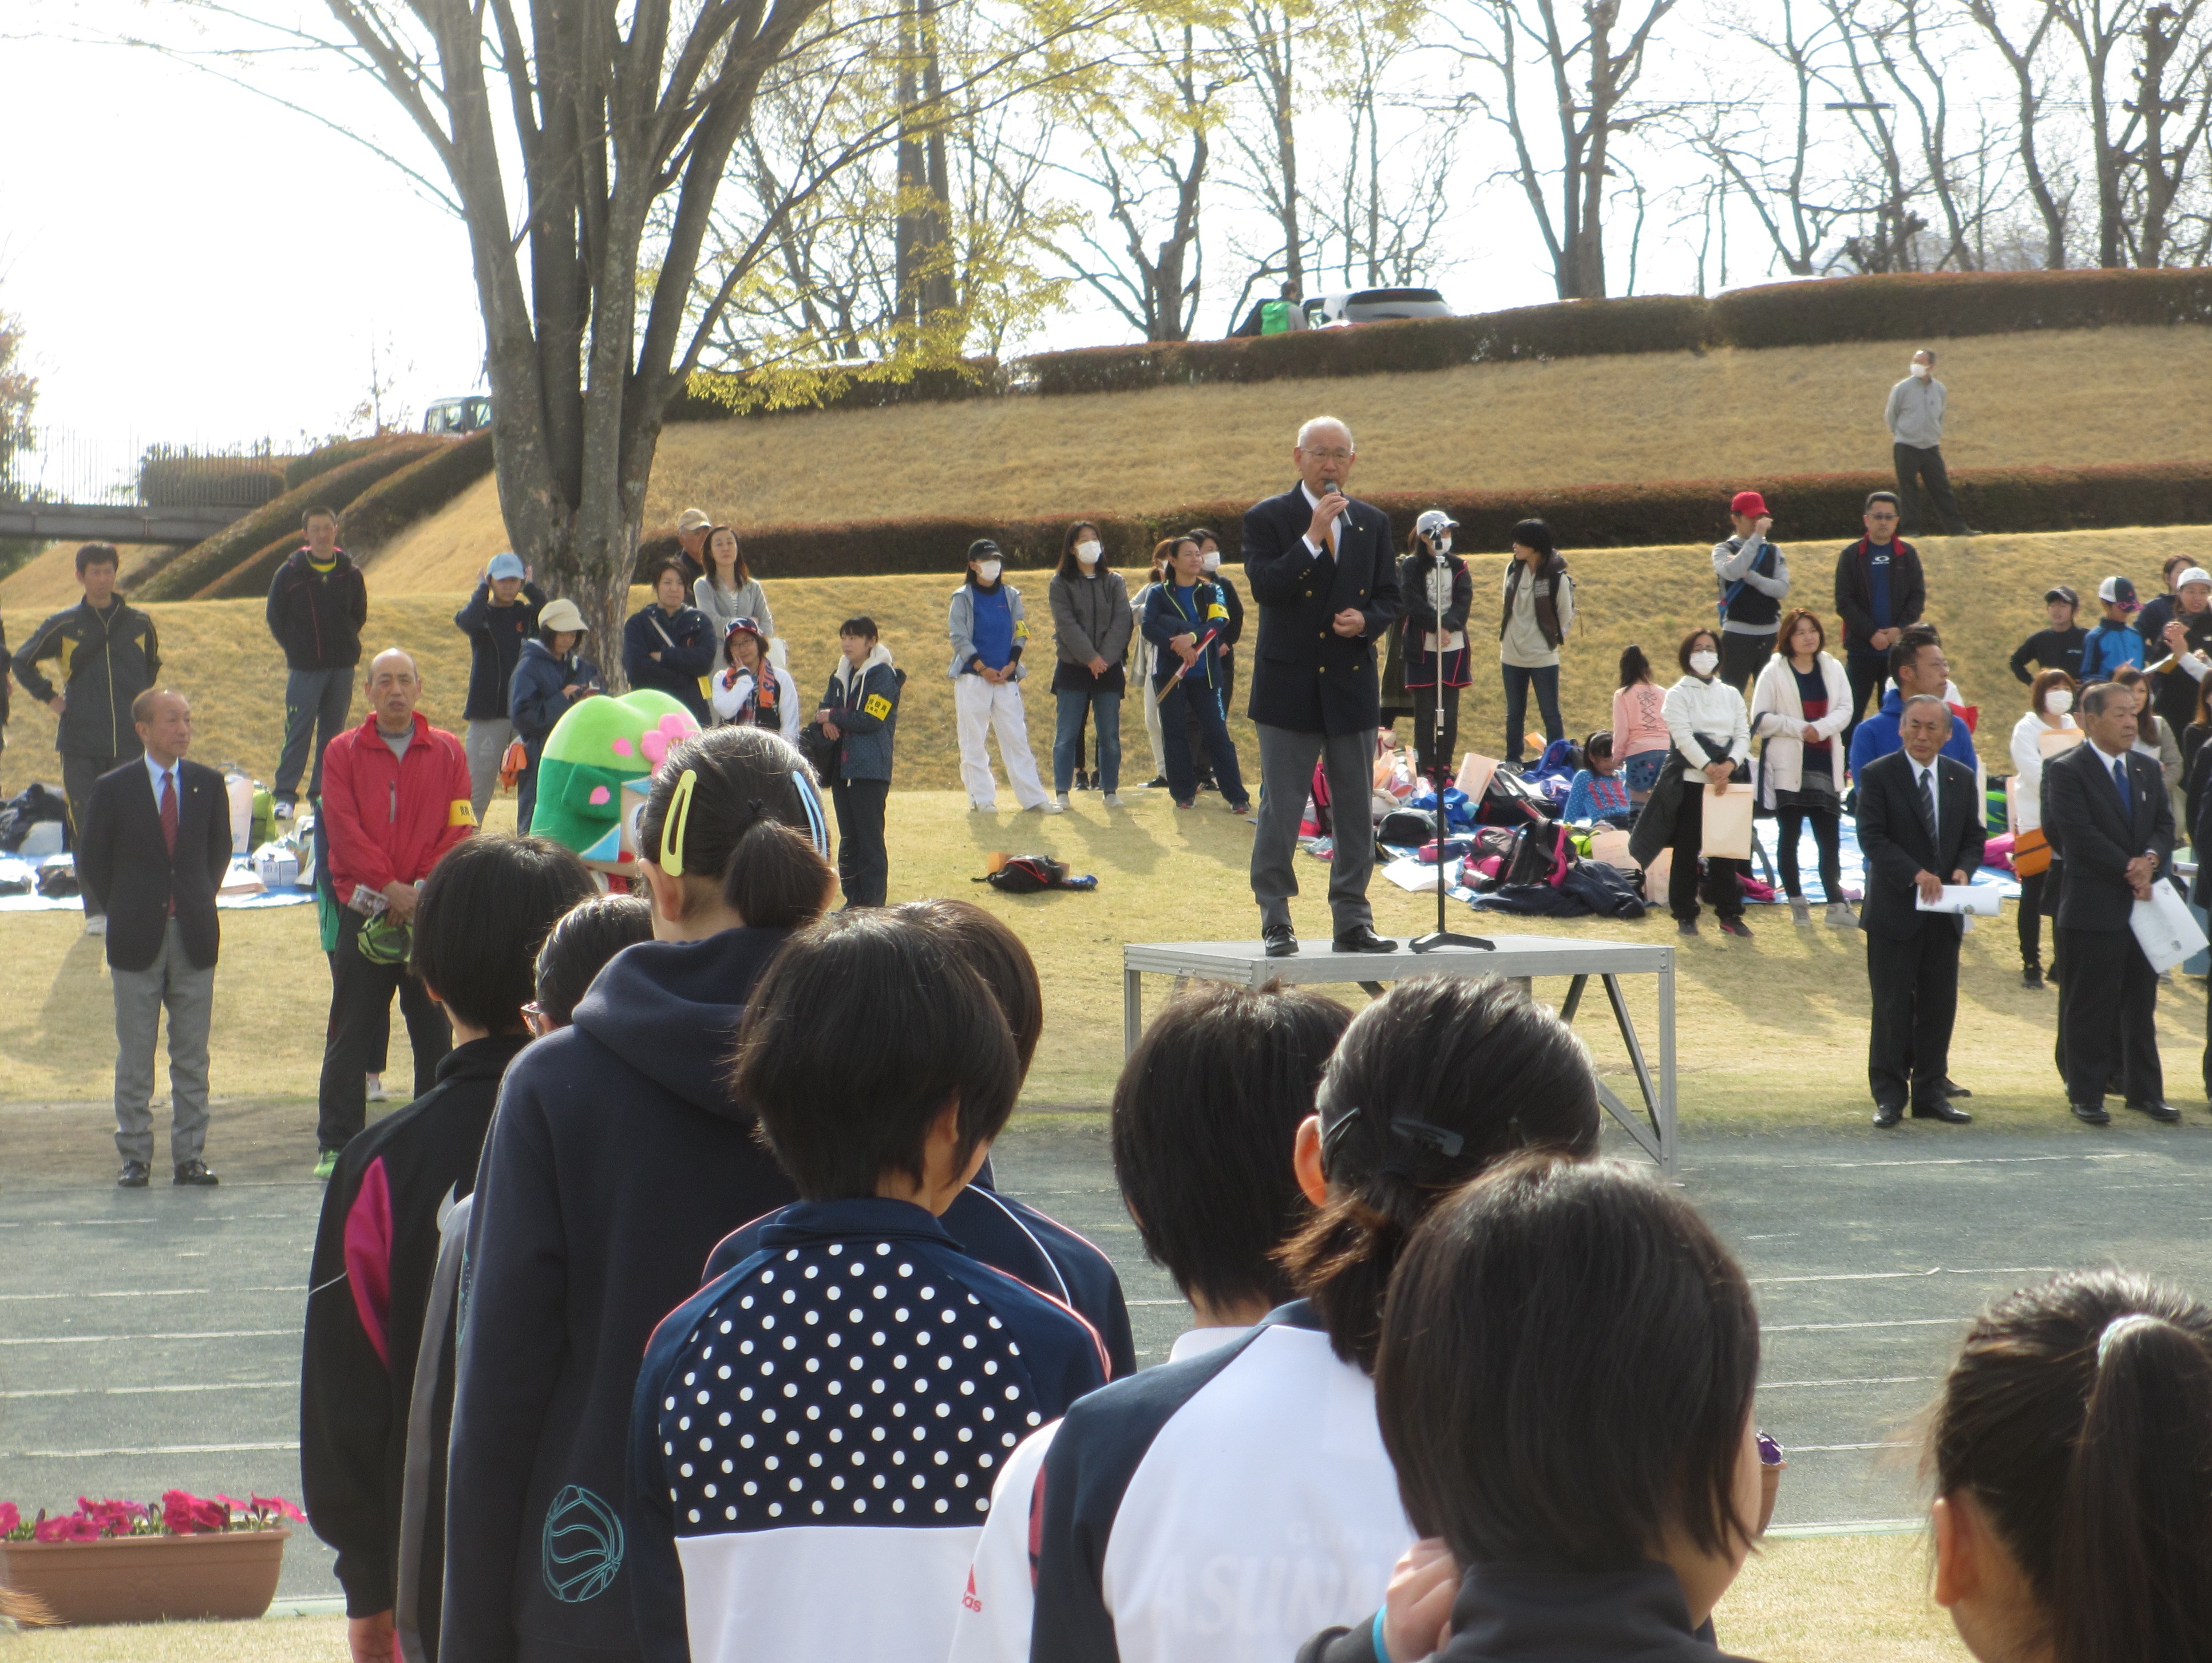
{"x": 1028, "y": 874}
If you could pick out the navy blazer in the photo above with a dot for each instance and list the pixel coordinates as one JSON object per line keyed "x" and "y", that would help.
{"x": 2089, "y": 833}
{"x": 1305, "y": 677}
{"x": 1894, "y": 838}
{"x": 123, "y": 863}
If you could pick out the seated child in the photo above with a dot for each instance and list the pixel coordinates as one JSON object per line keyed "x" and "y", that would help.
{"x": 1598, "y": 792}
{"x": 815, "y": 1434}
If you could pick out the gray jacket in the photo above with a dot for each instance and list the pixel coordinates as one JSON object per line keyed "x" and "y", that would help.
{"x": 960, "y": 619}
{"x": 724, "y": 609}
{"x": 1915, "y": 413}
{"x": 1090, "y": 616}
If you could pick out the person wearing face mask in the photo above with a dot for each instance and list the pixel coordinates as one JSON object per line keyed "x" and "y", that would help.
{"x": 1710, "y": 732}
{"x": 988, "y": 629}
{"x": 1091, "y": 624}
{"x": 1209, "y": 546}
{"x": 2050, "y": 708}
{"x": 1439, "y": 593}
{"x": 1915, "y": 417}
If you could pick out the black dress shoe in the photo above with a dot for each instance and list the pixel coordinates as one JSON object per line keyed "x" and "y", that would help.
{"x": 1281, "y": 939}
{"x": 133, "y": 1175}
{"x": 1951, "y": 1087}
{"x": 1941, "y": 1109}
{"x": 1362, "y": 938}
{"x": 2164, "y": 1113}
{"x": 1888, "y": 1114}
{"x": 2091, "y": 1114}
{"x": 194, "y": 1174}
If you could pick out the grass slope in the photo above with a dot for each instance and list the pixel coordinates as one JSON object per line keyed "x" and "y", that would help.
{"x": 2056, "y": 398}
{"x": 47, "y": 581}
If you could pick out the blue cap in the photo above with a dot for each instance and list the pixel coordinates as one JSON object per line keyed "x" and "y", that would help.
{"x": 507, "y": 565}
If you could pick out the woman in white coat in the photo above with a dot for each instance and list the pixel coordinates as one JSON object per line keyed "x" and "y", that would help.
{"x": 1800, "y": 706}
{"x": 2049, "y": 702}
{"x": 748, "y": 690}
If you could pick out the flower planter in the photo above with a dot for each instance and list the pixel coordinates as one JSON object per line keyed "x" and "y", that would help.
{"x": 149, "y": 1579}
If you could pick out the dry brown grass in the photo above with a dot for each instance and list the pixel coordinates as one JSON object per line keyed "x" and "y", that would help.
{"x": 48, "y": 579}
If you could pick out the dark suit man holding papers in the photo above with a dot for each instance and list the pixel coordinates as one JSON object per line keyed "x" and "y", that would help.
{"x": 1323, "y": 575}
{"x": 1920, "y": 828}
{"x": 2106, "y": 814}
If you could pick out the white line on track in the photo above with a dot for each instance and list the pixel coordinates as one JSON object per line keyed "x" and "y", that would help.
{"x": 1828, "y": 1449}
{"x": 160, "y": 1449}
{"x": 1908, "y": 1276}
{"x": 1997, "y": 1159}
{"x": 1871, "y": 1380}
{"x": 1832, "y": 1327}
{"x": 160, "y": 1293}
{"x": 148, "y": 1390}
{"x": 107, "y": 1339}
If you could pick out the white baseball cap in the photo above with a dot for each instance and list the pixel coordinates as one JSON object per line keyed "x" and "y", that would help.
{"x": 1434, "y": 520}
{"x": 2194, "y": 575}
{"x": 561, "y": 614}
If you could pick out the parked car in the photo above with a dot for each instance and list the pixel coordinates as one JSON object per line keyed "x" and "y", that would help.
{"x": 1374, "y": 306}
{"x": 469, "y": 415}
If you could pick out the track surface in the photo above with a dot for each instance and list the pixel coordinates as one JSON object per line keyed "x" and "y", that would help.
{"x": 151, "y": 1340}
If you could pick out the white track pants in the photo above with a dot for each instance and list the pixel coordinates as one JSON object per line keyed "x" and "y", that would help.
{"x": 981, "y": 709}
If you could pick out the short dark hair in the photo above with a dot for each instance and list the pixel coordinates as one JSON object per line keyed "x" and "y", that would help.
{"x": 1788, "y": 628}
{"x": 753, "y": 828}
{"x": 1888, "y": 497}
{"x": 1205, "y": 1116}
{"x": 321, "y": 510}
{"x": 861, "y": 1032}
{"x": 546, "y": 632}
{"x": 577, "y": 948}
{"x": 2049, "y": 681}
{"x": 2098, "y": 694}
{"x": 97, "y": 554}
{"x": 1544, "y": 1319}
{"x": 662, "y": 567}
{"x": 861, "y": 626}
{"x": 1431, "y": 1083}
{"x": 1690, "y": 645}
{"x": 1204, "y": 534}
{"x": 1634, "y": 666}
{"x": 485, "y": 909}
{"x": 1535, "y": 534}
{"x": 988, "y": 945}
{"x": 2075, "y": 1416}
{"x": 1904, "y": 652}
{"x": 1599, "y": 744}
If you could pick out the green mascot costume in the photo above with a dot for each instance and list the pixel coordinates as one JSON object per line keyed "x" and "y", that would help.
{"x": 599, "y": 745}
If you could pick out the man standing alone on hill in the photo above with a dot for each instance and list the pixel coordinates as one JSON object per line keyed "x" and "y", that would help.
{"x": 109, "y": 656}
{"x": 317, "y": 605}
{"x": 1915, "y": 415}
{"x": 1323, "y": 573}
{"x": 1880, "y": 591}
{"x": 1753, "y": 579}
{"x": 500, "y": 617}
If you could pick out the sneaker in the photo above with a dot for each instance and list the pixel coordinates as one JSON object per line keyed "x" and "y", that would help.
{"x": 982, "y": 807}
{"x": 1062, "y": 800}
{"x": 95, "y": 924}
{"x": 1240, "y": 808}
{"x": 1735, "y": 926}
{"x": 1686, "y": 926}
{"x": 1158, "y": 782}
{"x": 1112, "y": 799}
{"x": 1840, "y": 915}
{"x": 325, "y": 1164}
{"x": 1048, "y": 807}
{"x": 1800, "y": 911}
{"x": 375, "y": 1087}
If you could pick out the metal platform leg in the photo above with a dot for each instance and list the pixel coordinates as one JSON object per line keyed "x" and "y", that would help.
{"x": 1133, "y": 1009}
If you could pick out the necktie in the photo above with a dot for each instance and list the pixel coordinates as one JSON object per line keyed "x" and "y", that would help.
{"x": 1928, "y": 808}
{"x": 2120, "y": 779}
{"x": 169, "y": 826}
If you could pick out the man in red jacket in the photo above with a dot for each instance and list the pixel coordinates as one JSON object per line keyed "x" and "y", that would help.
{"x": 395, "y": 798}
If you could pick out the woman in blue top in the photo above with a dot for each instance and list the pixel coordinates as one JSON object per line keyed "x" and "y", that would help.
{"x": 668, "y": 646}
{"x": 1184, "y": 618}
{"x": 988, "y": 629}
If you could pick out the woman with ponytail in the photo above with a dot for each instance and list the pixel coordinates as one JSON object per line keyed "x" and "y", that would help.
{"x": 1164, "y": 1500}
{"x": 616, "y": 1161}
{"x": 2072, "y": 1459}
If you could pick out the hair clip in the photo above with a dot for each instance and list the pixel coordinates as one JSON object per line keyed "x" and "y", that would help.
{"x": 677, "y": 822}
{"x": 817, "y": 826}
{"x": 2120, "y": 1327}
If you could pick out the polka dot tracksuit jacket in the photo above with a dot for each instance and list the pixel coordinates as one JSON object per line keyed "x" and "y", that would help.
{"x": 815, "y": 1436}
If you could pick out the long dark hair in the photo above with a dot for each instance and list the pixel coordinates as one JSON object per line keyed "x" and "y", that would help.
{"x": 2078, "y": 1415}
{"x": 741, "y": 574}
{"x": 1634, "y": 666}
{"x": 1431, "y": 1083}
{"x": 749, "y": 821}
{"x": 1069, "y": 565}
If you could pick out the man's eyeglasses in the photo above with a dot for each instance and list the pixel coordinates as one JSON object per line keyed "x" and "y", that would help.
{"x": 1332, "y": 455}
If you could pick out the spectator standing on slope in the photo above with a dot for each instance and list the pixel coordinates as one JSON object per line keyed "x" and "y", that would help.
{"x": 1090, "y": 625}
{"x": 318, "y": 603}
{"x": 500, "y": 616}
{"x": 1539, "y": 611}
{"x": 2185, "y": 636}
{"x": 109, "y": 655}
{"x": 1881, "y": 591}
{"x": 1799, "y": 707}
{"x": 398, "y": 798}
{"x": 668, "y": 646}
{"x": 1209, "y": 548}
{"x": 2050, "y": 710}
{"x": 2113, "y": 644}
{"x": 1439, "y": 593}
{"x": 552, "y": 675}
{"x": 2159, "y": 611}
{"x": 727, "y": 591}
{"x": 747, "y": 689}
{"x": 692, "y": 527}
{"x": 859, "y": 715}
{"x": 2057, "y": 647}
{"x": 989, "y": 628}
{"x": 1915, "y": 417}
{"x": 1916, "y": 664}
{"x": 1640, "y": 740}
{"x": 1753, "y": 580}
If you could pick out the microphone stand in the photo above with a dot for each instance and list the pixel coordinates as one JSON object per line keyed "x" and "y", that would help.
{"x": 1442, "y": 937}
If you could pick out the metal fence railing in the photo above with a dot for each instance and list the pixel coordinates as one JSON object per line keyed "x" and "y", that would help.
{"x": 119, "y": 469}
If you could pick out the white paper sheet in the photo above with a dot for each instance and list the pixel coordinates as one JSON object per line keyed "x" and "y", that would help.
{"x": 1977, "y": 900}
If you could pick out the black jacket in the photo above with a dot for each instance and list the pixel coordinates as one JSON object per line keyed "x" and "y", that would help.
{"x": 1305, "y": 677}
{"x": 1895, "y": 842}
{"x": 123, "y": 862}
{"x": 107, "y": 660}
{"x": 375, "y": 1251}
{"x": 496, "y": 635}
{"x": 685, "y": 641}
{"x": 317, "y": 617}
{"x": 2082, "y": 818}
{"x": 616, "y": 1162}
{"x": 534, "y": 698}
{"x": 1524, "y": 1614}
{"x": 2050, "y": 650}
{"x": 1908, "y": 592}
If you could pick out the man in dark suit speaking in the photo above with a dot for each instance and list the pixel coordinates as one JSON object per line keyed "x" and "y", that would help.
{"x": 2108, "y": 820}
{"x": 1920, "y": 827}
{"x": 157, "y": 845}
{"x": 1323, "y": 575}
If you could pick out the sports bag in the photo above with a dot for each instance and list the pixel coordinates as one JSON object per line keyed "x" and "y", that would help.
{"x": 1027, "y": 875}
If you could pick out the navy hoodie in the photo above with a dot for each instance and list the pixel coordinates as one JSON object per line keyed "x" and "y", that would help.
{"x": 615, "y": 1164}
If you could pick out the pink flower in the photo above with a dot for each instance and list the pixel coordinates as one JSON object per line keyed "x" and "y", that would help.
{"x": 74, "y": 1527}
{"x": 188, "y": 1515}
{"x": 113, "y": 1517}
{"x": 10, "y": 1518}
{"x": 281, "y": 1507}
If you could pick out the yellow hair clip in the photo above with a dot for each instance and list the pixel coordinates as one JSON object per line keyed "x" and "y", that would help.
{"x": 676, "y": 823}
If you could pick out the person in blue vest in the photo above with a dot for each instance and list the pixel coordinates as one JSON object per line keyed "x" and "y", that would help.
{"x": 1184, "y": 618}
{"x": 989, "y": 629}
{"x": 1754, "y": 580}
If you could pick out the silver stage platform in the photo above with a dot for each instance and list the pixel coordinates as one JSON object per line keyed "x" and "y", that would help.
{"x": 1517, "y": 958}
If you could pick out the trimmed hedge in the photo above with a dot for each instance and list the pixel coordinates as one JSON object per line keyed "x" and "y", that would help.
{"x": 321, "y": 460}
{"x": 976, "y": 378}
{"x": 239, "y": 482}
{"x": 1929, "y": 305}
{"x": 1816, "y": 509}
{"x": 189, "y": 577}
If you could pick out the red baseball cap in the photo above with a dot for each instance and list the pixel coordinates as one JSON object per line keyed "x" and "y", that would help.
{"x": 1747, "y": 502}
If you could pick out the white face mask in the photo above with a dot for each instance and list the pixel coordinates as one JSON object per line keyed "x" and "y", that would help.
{"x": 1442, "y": 543}
{"x": 1212, "y": 560}
{"x": 1924, "y": 371}
{"x": 987, "y": 570}
{"x": 1087, "y": 553}
{"x": 2058, "y": 701}
{"x": 1705, "y": 664}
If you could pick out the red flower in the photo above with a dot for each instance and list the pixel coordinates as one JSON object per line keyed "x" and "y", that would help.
{"x": 9, "y": 1519}
{"x": 280, "y": 1508}
{"x": 113, "y": 1517}
{"x": 75, "y": 1527}
{"x": 189, "y": 1515}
